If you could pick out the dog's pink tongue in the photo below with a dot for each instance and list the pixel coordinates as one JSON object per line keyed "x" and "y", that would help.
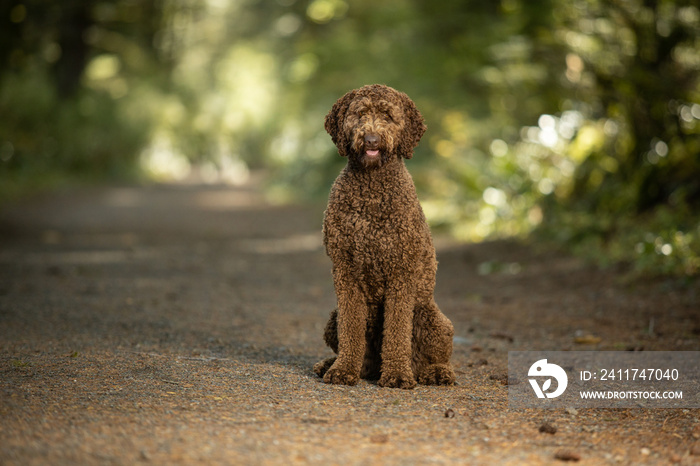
{"x": 372, "y": 153}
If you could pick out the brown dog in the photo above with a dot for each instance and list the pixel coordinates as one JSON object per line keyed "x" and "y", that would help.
{"x": 387, "y": 325}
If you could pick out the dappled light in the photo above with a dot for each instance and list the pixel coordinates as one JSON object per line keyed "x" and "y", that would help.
{"x": 574, "y": 121}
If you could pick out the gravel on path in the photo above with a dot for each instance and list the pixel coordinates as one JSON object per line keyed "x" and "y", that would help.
{"x": 179, "y": 325}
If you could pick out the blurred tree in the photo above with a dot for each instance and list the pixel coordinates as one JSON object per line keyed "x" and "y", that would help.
{"x": 579, "y": 117}
{"x": 73, "y": 23}
{"x": 69, "y": 86}
{"x": 641, "y": 76}
{"x": 634, "y": 67}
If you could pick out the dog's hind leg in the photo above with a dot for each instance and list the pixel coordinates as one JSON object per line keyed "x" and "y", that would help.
{"x": 432, "y": 346}
{"x": 330, "y": 336}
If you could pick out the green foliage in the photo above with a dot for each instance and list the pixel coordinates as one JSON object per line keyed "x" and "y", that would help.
{"x": 576, "y": 120}
{"x": 90, "y": 135}
{"x": 664, "y": 241}
{"x": 69, "y": 111}
{"x": 635, "y": 193}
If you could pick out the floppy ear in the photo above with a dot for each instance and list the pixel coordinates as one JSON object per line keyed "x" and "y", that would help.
{"x": 334, "y": 122}
{"x": 413, "y": 129}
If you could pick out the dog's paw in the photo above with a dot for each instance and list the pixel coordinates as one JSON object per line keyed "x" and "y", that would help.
{"x": 339, "y": 376}
{"x": 437, "y": 374}
{"x": 321, "y": 367}
{"x": 398, "y": 380}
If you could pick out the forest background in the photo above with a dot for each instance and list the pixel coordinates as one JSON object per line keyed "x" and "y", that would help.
{"x": 572, "y": 122}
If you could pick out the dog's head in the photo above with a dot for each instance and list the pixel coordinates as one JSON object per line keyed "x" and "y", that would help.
{"x": 374, "y": 124}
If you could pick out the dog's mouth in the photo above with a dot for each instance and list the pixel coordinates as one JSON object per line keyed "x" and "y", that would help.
{"x": 372, "y": 156}
{"x": 369, "y": 154}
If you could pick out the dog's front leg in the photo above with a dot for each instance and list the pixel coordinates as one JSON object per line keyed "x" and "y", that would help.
{"x": 397, "y": 340}
{"x": 352, "y": 325}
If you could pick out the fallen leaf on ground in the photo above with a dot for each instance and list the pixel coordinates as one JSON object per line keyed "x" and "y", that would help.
{"x": 379, "y": 438}
{"x": 502, "y": 336}
{"x": 547, "y": 428}
{"x": 567, "y": 455}
{"x": 587, "y": 340}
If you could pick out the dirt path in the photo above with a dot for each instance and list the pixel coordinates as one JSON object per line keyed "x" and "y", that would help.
{"x": 178, "y": 325}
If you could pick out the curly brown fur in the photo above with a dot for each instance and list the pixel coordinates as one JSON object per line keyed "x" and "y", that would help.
{"x": 387, "y": 325}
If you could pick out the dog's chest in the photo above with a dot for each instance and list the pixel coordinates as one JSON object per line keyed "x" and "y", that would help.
{"x": 379, "y": 229}
{"x": 375, "y": 223}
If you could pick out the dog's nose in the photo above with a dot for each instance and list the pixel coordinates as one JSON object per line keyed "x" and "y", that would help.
{"x": 372, "y": 140}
